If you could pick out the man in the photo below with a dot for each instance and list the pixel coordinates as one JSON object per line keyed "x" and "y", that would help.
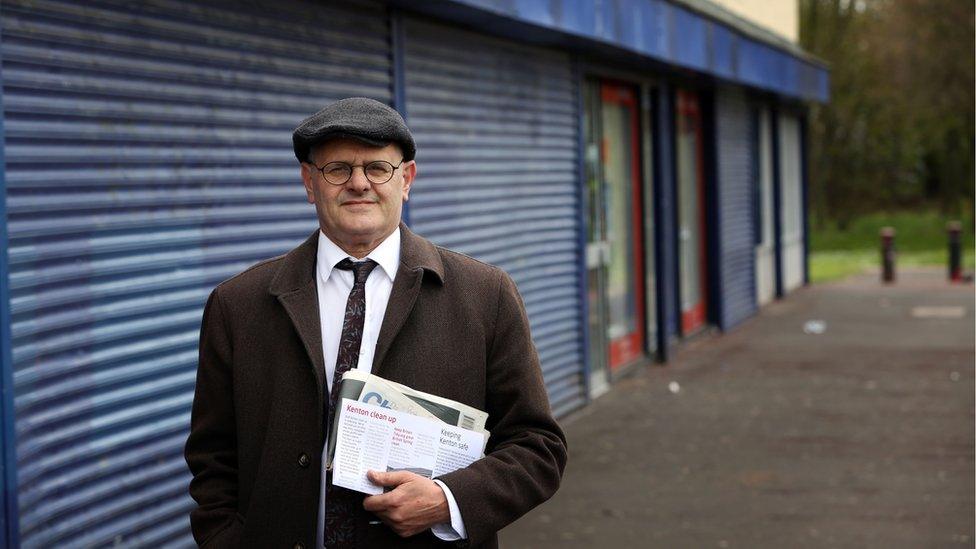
{"x": 364, "y": 292}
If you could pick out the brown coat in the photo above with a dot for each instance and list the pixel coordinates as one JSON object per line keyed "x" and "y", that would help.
{"x": 454, "y": 326}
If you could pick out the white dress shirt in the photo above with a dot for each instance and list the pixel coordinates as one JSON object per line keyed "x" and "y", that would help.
{"x": 333, "y": 291}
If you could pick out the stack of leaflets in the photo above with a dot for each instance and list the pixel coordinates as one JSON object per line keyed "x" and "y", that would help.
{"x": 385, "y": 426}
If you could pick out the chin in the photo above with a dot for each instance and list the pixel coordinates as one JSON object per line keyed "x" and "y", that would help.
{"x": 362, "y": 228}
{"x": 363, "y": 231}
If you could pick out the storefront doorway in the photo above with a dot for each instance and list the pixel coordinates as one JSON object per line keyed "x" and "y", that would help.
{"x": 691, "y": 212}
{"x": 615, "y": 247}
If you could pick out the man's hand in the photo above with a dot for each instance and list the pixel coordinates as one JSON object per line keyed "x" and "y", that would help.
{"x": 414, "y": 505}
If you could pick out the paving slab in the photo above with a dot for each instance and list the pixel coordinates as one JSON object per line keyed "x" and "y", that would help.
{"x": 775, "y": 435}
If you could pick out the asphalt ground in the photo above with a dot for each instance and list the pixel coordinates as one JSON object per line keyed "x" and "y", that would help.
{"x": 859, "y": 436}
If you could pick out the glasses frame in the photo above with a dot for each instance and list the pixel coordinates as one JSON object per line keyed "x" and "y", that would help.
{"x": 352, "y": 168}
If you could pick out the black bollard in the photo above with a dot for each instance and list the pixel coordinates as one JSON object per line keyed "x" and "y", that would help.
{"x": 888, "y": 255}
{"x": 954, "y": 228}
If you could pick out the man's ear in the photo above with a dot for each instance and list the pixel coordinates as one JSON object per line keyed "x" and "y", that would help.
{"x": 307, "y": 177}
{"x": 409, "y": 174}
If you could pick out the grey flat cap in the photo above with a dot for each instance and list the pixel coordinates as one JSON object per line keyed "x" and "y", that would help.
{"x": 359, "y": 118}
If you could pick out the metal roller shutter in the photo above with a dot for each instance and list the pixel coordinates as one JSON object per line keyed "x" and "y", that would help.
{"x": 735, "y": 203}
{"x": 497, "y": 127}
{"x": 148, "y": 157}
{"x": 792, "y": 239}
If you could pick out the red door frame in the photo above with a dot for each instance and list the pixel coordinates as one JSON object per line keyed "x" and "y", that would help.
{"x": 688, "y": 106}
{"x": 626, "y": 349}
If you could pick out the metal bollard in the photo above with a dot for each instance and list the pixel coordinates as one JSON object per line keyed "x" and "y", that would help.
{"x": 954, "y": 228}
{"x": 888, "y": 255}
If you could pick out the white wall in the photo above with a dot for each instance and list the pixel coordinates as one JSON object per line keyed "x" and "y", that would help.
{"x": 779, "y": 16}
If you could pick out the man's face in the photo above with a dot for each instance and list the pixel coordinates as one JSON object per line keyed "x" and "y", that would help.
{"x": 358, "y": 214}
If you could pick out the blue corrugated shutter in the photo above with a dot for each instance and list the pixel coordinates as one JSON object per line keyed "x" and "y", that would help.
{"x": 148, "y": 156}
{"x": 497, "y": 130}
{"x": 735, "y": 201}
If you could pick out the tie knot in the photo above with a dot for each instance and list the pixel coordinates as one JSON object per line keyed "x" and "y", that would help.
{"x": 360, "y": 269}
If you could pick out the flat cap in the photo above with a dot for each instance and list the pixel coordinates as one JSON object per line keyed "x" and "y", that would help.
{"x": 359, "y": 118}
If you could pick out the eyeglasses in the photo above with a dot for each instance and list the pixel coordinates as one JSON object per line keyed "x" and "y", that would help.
{"x": 377, "y": 171}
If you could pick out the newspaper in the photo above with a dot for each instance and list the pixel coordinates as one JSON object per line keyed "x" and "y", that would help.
{"x": 366, "y": 388}
{"x": 383, "y": 439}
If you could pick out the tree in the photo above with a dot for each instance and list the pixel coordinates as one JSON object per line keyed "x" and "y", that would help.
{"x": 899, "y": 127}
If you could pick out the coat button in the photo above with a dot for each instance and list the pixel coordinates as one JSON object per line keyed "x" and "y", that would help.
{"x": 303, "y": 461}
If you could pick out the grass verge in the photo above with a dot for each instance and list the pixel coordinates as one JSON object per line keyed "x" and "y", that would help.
{"x": 920, "y": 241}
{"x": 837, "y": 264}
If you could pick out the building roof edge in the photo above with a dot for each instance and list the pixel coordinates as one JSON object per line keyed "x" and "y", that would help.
{"x": 750, "y": 29}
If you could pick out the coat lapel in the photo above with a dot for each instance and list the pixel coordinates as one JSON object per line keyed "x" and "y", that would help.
{"x": 294, "y": 286}
{"x": 417, "y": 255}
{"x": 406, "y": 287}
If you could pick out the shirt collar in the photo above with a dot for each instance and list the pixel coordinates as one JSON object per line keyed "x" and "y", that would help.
{"x": 386, "y": 255}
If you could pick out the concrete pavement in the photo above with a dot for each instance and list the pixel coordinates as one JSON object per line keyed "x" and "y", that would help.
{"x": 861, "y": 436}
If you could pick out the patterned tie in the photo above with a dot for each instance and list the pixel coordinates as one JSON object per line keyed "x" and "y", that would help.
{"x": 340, "y": 503}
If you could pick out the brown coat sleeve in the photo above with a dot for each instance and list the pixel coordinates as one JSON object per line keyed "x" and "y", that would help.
{"x": 526, "y": 453}
{"x": 211, "y": 449}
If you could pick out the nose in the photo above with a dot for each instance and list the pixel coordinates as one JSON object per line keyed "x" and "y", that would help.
{"x": 357, "y": 180}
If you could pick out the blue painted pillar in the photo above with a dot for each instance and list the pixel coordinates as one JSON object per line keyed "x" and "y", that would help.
{"x": 777, "y": 202}
{"x": 582, "y": 215}
{"x": 665, "y": 202}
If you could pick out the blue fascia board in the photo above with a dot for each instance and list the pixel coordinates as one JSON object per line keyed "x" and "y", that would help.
{"x": 657, "y": 30}
{"x": 822, "y": 79}
{"x": 690, "y": 41}
{"x": 724, "y": 44}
